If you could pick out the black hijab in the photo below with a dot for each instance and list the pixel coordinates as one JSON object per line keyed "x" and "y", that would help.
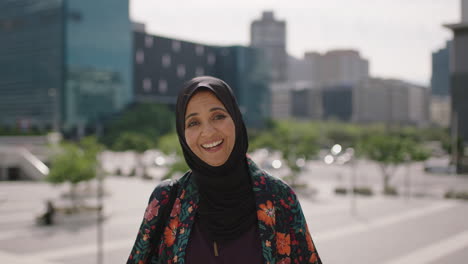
{"x": 227, "y": 203}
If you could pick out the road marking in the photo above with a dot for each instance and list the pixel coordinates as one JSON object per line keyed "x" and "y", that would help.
{"x": 14, "y": 218}
{"x": 384, "y": 221}
{"x": 27, "y": 231}
{"x": 84, "y": 250}
{"x": 342, "y": 206}
{"x": 434, "y": 251}
{"x": 21, "y": 259}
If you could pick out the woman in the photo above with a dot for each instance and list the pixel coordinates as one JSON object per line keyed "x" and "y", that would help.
{"x": 226, "y": 210}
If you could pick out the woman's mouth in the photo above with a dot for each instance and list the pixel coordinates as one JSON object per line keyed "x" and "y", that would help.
{"x": 213, "y": 146}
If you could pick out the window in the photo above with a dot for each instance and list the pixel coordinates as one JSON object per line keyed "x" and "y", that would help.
{"x": 181, "y": 71}
{"x": 175, "y": 46}
{"x": 199, "y": 71}
{"x": 147, "y": 84}
{"x": 199, "y": 50}
{"x": 162, "y": 86}
{"x": 140, "y": 56}
{"x": 149, "y": 41}
{"x": 211, "y": 59}
{"x": 225, "y": 52}
{"x": 166, "y": 60}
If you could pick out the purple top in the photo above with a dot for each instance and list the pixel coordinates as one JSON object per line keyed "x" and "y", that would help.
{"x": 247, "y": 249}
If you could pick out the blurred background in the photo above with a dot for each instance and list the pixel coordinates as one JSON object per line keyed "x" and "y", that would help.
{"x": 361, "y": 106}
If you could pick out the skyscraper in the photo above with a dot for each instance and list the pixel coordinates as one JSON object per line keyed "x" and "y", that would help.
{"x": 440, "y": 79}
{"x": 269, "y": 35}
{"x": 459, "y": 88}
{"x": 64, "y": 64}
{"x": 342, "y": 67}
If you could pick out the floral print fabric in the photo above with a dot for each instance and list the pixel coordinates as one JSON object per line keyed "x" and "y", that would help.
{"x": 283, "y": 230}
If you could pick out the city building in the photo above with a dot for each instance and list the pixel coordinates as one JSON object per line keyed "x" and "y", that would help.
{"x": 334, "y": 68}
{"x": 162, "y": 65}
{"x": 459, "y": 89}
{"x": 440, "y": 110}
{"x": 342, "y": 67}
{"x": 244, "y": 69}
{"x": 65, "y": 64}
{"x": 307, "y": 103}
{"x": 440, "y": 79}
{"x": 337, "y": 102}
{"x": 281, "y": 101}
{"x": 390, "y": 101}
{"x": 269, "y": 35}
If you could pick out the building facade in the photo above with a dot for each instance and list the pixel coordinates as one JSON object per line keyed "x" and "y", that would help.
{"x": 342, "y": 67}
{"x": 269, "y": 35}
{"x": 337, "y": 102}
{"x": 334, "y": 68}
{"x": 163, "y": 65}
{"x": 65, "y": 64}
{"x": 459, "y": 89}
{"x": 440, "y": 79}
{"x": 31, "y": 63}
{"x": 440, "y": 110}
{"x": 390, "y": 101}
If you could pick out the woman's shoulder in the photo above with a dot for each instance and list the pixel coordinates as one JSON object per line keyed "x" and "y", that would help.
{"x": 272, "y": 183}
{"x": 164, "y": 187}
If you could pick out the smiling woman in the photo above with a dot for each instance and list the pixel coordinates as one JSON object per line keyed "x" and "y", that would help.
{"x": 226, "y": 210}
{"x": 209, "y": 129}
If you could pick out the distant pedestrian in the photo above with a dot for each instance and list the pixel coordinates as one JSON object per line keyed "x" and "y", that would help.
{"x": 47, "y": 218}
{"x": 226, "y": 209}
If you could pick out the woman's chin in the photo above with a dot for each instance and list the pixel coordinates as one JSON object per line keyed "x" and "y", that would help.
{"x": 215, "y": 162}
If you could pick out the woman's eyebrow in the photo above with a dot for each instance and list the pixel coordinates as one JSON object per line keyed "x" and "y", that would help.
{"x": 218, "y": 108}
{"x": 192, "y": 114}
{"x": 211, "y": 110}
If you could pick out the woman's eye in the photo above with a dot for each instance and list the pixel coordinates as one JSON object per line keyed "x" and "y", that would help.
{"x": 192, "y": 123}
{"x": 219, "y": 117}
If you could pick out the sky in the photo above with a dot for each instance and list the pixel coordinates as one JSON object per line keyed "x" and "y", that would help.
{"x": 396, "y": 36}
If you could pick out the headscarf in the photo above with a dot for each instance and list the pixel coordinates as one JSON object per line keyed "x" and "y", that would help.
{"x": 227, "y": 203}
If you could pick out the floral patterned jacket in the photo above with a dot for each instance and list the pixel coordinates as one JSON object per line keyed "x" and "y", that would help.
{"x": 283, "y": 230}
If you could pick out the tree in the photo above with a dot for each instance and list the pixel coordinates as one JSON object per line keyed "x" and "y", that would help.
{"x": 389, "y": 152}
{"x": 169, "y": 144}
{"x": 147, "y": 120}
{"x": 133, "y": 141}
{"x": 293, "y": 139}
{"x": 74, "y": 164}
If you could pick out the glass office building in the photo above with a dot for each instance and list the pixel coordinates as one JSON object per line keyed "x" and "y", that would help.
{"x": 31, "y": 63}
{"x": 64, "y": 63}
{"x": 245, "y": 70}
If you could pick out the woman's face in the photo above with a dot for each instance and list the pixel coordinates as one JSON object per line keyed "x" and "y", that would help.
{"x": 209, "y": 129}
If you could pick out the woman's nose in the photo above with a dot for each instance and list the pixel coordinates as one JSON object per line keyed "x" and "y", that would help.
{"x": 208, "y": 129}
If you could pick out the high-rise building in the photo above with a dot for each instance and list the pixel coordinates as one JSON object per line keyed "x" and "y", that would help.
{"x": 459, "y": 88}
{"x": 390, "y": 101}
{"x": 163, "y": 64}
{"x": 64, "y": 64}
{"x": 440, "y": 80}
{"x": 337, "y": 102}
{"x": 334, "y": 68}
{"x": 342, "y": 67}
{"x": 306, "y": 102}
{"x": 281, "y": 101}
{"x": 269, "y": 35}
{"x": 244, "y": 69}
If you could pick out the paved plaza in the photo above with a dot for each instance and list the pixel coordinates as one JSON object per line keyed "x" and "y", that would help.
{"x": 422, "y": 229}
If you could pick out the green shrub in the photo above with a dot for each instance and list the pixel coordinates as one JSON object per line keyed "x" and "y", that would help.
{"x": 451, "y": 194}
{"x": 390, "y": 191}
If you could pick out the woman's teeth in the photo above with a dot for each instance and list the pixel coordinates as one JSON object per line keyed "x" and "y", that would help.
{"x": 211, "y": 145}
